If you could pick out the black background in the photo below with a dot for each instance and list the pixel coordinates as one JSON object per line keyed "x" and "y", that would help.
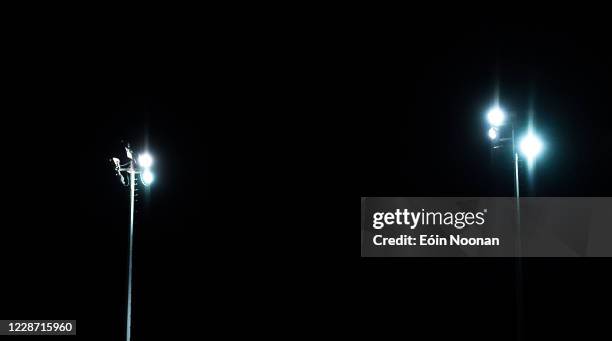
{"x": 424, "y": 135}
{"x": 255, "y": 154}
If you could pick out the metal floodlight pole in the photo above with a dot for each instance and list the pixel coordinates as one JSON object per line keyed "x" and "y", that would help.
{"x": 530, "y": 147}
{"x": 515, "y": 159}
{"x": 132, "y": 168}
{"x": 132, "y": 173}
{"x": 496, "y": 119}
{"x": 519, "y": 267}
{"x": 519, "y": 270}
{"x": 516, "y": 188}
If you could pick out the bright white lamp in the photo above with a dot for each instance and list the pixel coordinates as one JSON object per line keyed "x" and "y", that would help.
{"x": 531, "y": 146}
{"x": 145, "y": 160}
{"x": 496, "y": 116}
{"x": 493, "y": 133}
{"x": 147, "y": 177}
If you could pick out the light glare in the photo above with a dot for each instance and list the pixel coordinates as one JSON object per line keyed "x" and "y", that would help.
{"x": 531, "y": 146}
{"x": 496, "y": 116}
{"x": 147, "y": 177}
{"x": 492, "y": 133}
{"x": 145, "y": 160}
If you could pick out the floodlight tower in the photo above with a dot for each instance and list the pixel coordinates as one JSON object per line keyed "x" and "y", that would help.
{"x": 497, "y": 118}
{"x": 132, "y": 168}
{"x": 530, "y": 146}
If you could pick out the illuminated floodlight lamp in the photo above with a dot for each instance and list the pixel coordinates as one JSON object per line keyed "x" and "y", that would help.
{"x": 493, "y": 133}
{"x": 496, "y": 116}
{"x": 147, "y": 177}
{"x": 531, "y": 146}
{"x": 145, "y": 160}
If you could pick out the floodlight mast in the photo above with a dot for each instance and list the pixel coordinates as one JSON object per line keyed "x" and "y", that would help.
{"x": 530, "y": 147}
{"x": 131, "y": 168}
{"x": 516, "y": 188}
{"x": 132, "y": 173}
{"x": 499, "y": 141}
{"x": 497, "y": 118}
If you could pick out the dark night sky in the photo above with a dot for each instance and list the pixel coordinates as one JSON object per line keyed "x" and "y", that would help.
{"x": 69, "y": 256}
{"x": 172, "y": 216}
{"x": 427, "y": 136}
{"x": 252, "y": 154}
{"x": 423, "y": 134}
